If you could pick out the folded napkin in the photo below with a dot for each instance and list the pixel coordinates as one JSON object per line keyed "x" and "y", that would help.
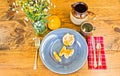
{"x": 91, "y": 53}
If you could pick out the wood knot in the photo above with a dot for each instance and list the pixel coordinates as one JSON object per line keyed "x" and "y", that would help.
{"x": 116, "y": 29}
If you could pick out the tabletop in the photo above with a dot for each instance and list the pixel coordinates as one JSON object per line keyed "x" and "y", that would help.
{"x": 17, "y": 48}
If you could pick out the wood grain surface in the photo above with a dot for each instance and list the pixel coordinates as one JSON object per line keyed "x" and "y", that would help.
{"x": 17, "y": 49}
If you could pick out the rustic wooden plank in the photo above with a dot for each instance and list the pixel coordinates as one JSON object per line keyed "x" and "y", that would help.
{"x": 21, "y": 62}
{"x": 17, "y": 49}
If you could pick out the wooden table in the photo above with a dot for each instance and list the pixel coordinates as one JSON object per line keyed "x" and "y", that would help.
{"x": 17, "y": 49}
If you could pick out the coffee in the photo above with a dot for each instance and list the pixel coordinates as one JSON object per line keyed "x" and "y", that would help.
{"x": 79, "y": 13}
{"x": 81, "y": 7}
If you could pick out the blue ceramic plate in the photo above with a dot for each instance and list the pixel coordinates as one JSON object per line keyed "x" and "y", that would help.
{"x": 53, "y": 42}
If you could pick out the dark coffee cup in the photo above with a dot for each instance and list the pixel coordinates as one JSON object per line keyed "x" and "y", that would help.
{"x": 79, "y": 13}
{"x": 80, "y": 7}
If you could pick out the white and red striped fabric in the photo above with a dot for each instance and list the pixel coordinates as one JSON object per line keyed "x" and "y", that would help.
{"x": 91, "y": 53}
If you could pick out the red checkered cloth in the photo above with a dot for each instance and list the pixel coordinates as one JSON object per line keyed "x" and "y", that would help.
{"x": 91, "y": 53}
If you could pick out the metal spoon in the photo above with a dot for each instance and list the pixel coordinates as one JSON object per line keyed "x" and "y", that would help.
{"x": 37, "y": 45}
{"x": 98, "y": 46}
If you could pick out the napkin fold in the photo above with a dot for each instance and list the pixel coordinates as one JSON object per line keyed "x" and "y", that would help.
{"x": 91, "y": 53}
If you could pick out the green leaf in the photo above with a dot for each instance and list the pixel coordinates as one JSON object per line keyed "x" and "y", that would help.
{"x": 35, "y": 12}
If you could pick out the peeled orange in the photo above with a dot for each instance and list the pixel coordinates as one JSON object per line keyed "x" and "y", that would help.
{"x": 54, "y": 22}
{"x": 56, "y": 56}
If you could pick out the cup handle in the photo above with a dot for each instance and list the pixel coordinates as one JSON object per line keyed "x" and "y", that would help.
{"x": 94, "y": 28}
{"x": 92, "y": 14}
